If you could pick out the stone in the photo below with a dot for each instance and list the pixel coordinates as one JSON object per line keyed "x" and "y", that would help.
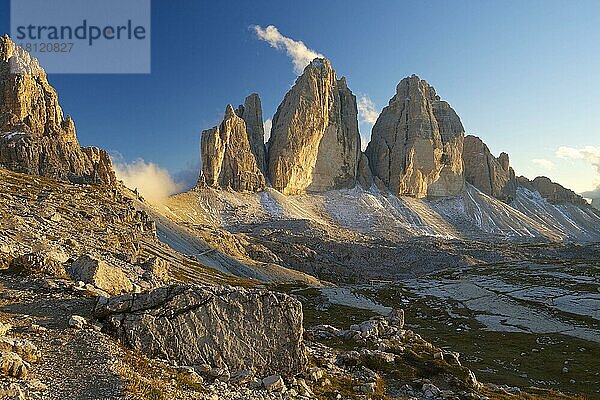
{"x": 4, "y": 328}
{"x": 368, "y": 388}
{"x": 156, "y": 268}
{"x": 273, "y": 383}
{"x": 396, "y": 318}
{"x": 493, "y": 176}
{"x": 232, "y": 328}
{"x": 11, "y": 391}
{"x": 227, "y": 158}
{"x": 417, "y": 143}
{"x": 77, "y": 322}
{"x": 552, "y": 191}
{"x": 38, "y": 263}
{"x": 103, "y": 276}
{"x": 315, "y": 143}
{"x": 35, "y": 137}
{"x": 12, "y": 365}
{"x": 22, "y": 347}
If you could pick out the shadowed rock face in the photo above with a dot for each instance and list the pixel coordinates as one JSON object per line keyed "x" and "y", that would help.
{"x": 228, "y": 160}
{"x": 315, "y": 144}
{"x": 417, "y": 142}
{"x": 493, "y": 176}
{"x": 251, "y": 113}
{"x": 35, "y": 138}
{"x": 232, "y": 328}
{"x": 552, "y": 191}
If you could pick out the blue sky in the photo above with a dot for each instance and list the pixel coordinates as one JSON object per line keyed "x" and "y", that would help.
{"x": 524, "y": 76}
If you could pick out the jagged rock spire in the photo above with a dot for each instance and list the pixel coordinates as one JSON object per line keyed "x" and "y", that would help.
{"x": 35, "y": 138}
{"x": 315, "y": 144}
{"x": 417, "y": 142}
{"x": 228, "y": 159}
{"x": 493, "y": 176}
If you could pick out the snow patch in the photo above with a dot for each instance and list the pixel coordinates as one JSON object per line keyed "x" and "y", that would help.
{"x": 10, "y": 135}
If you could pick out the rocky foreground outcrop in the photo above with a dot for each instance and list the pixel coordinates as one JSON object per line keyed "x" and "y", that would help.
{"x": 35, "y": 137}
{"x": 315, "y": 144}
{"x": 232, "y": 156}
{"x": 493, "y": 176}
{"x": 417, "y": 143}
{"x": 552, "y": 191}
{"x": 230, "y": 328}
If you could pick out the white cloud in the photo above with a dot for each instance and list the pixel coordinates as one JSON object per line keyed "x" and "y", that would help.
{"x": 300, "y": 54}
{"x": 587, "y": 153}
{"x": 152, "y": 182}
{"x": 367, "y": 113}
{"x": 545, "y": 164}
{"x": 590, "y": 154}
{"x": 268, "y": 124}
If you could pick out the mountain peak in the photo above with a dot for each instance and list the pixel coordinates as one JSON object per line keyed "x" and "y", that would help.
{"x": 315, "y": 144}
{"x": 35, "y": 137}
{"x": 417, "y": 142}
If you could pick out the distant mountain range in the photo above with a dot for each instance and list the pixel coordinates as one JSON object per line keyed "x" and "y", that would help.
{"x": 419, "y": 176}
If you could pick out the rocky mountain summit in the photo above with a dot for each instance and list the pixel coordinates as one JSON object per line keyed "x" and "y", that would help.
{"x": 35, "y": 137}
{"x": 417, "y": 143}
{"x": 231, "y": 154}
{"x": 315, "y": 144}
{"x": 493, "y": 176}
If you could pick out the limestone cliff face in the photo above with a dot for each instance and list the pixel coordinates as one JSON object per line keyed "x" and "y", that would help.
{"x": 251, "y": 113}
{"x": 227, "y": 157}
{"x": 35, "y": 138}
{"x": 315, "y": 144}
{"x": 493, "y": 176}
{"x": 552, "y": 191}
{"x": 417, "y": 142}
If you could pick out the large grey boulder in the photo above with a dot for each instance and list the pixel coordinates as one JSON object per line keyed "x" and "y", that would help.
{"x": 98, "y": 273}
{"x": 225, "y": 327}
{"x": 493, "y": 176}
{"x": 12, "y": 365}
{"x": 315, "y": 144}
{"x": 417, "y": 142}
{"x": 35, "y": 136}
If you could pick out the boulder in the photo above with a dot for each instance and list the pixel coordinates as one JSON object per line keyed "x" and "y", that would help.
{"x": 493, "y": 176}
{"x": 35, "y": 137}
{"x": 315, "y": 144}
{"x": 12, "y": 365}
{"x": 417, "y": 143}
{"x": 38, "y": 263}
{"x": 4, "y": 328}
{"x": 227, "y": 158}
{"x": 229, "y": 328}
{"x": 23, "y": 347}
{"x": 98, "y": 273}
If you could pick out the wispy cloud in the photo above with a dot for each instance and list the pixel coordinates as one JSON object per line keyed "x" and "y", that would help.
{"x": 152, "y": 182}
{"x": 300, "y": 54}
{"x": 587, "y": 153}
{"x": 367, "y": 113}
{"x": 268, "y": 125}
{"x": 545, "y": 164}
{"x": 590, "y": 154}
